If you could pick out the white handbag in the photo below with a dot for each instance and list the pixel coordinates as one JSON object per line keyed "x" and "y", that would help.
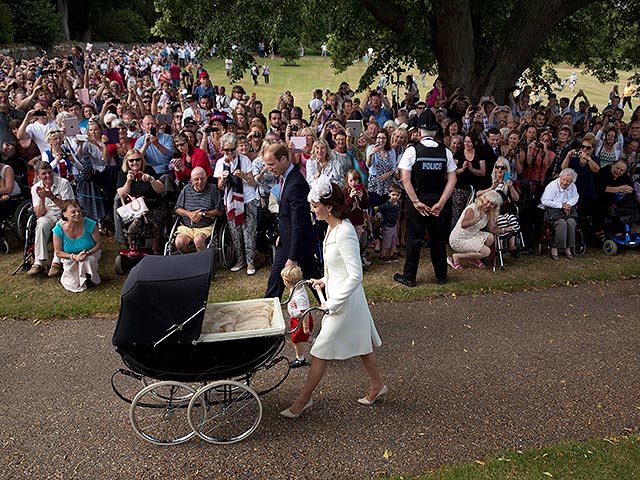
{"x": 132, "y": 210}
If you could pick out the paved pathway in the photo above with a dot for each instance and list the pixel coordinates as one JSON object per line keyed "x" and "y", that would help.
{"x": 467, "y": 376}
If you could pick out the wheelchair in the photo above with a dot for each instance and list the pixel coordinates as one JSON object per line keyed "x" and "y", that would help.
{"x": 547, "y": 236}
{"x": 16, "y": 220}
{"x": 267, "y": 233}
{"x": 510, "y": 218}
{"x": 220, "y": 241}
{"x": 29, "y": 233}
{"x": 618, "y": 221}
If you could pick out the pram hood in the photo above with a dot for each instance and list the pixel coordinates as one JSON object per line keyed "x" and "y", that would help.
{"x": 161, "y": 292}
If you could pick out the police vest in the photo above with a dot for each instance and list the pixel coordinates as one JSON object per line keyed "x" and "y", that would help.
{"x": 429, "y": 173}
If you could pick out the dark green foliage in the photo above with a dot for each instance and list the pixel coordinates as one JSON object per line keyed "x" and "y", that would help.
{"x": 121, "y": 25}
{"x": 289, "y": 50}
{"x": 36, "y": 23}
{"x": 6, "y": 24}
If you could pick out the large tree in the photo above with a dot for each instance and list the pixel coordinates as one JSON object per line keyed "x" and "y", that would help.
{"x": 483, "y": 46}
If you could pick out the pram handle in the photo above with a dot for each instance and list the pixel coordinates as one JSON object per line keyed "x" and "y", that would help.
{"x": 176, "y": 327}
{"x": 301, "y": 284}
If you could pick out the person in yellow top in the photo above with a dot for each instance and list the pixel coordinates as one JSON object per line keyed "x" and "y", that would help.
{"x": 627, "y": 93}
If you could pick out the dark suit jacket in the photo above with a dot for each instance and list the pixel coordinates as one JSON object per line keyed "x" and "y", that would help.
{"x": 489, "y": 156}
{"x": 297, "y": 235}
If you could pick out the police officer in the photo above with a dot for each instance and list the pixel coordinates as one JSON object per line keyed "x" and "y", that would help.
{"x": 428, "y": 176}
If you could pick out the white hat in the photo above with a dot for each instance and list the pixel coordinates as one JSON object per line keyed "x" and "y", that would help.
{"x": 412, "y": 113}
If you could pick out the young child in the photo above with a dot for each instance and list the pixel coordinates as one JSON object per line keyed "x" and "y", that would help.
{"x": 390, "y": 212}
{"x": 357, "y": 201}
{"x": 298, "y": 303}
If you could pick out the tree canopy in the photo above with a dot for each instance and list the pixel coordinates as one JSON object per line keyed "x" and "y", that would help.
{"x": 482, "y": 46}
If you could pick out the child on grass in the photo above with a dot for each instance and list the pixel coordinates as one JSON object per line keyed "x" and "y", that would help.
{"x": 298, "y": 303}
{"x": 390, "y": 212}
{"x": 357, "y": 201}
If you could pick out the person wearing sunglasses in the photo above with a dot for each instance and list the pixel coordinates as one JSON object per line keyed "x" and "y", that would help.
{"x": 137, "y": 179}
{"x": 190, "y": 158}
{"x": 234, "y": 173}
{"x": 586, "y": 164}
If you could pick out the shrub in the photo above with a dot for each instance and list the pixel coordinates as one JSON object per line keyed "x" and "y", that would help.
{"x": 289, "y": 50}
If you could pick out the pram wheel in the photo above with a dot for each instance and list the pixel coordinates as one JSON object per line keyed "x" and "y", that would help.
{"x": 4, "y": 246}
{"x": 159, "y": 413}
{"x": 146, "y": 381}
{"x": 225, "y": 412}
{"x": 610, "y": 247}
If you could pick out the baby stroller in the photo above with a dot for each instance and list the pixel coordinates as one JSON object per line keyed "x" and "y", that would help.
{"x": 197, "y": 377}
{"x": 620, "y": 216}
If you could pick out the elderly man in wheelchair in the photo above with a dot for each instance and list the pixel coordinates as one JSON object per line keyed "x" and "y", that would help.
{"x": 198, "y": 206}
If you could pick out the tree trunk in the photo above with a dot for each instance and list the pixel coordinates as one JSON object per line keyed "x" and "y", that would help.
{"x": 454, "y": 44}
{"x": 458, "y": 59}
{"x": 63, "y": 8}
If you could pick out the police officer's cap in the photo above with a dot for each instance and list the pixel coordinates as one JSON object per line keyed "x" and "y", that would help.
{"x": 427, "y": 121}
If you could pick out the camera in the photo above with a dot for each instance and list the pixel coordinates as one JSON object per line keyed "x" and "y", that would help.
{"x": 137, "y": 175}
{"x": 327, "y": 106}
{"x": 593, "y": 109}
{"x": 153, "y": 131}
{"x": 294, "y": 128}
{"x": 539, "y": 145}
{"x": 257, "y": 134}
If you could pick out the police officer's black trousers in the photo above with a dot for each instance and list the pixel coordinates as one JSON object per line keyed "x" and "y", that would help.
{"x": 417, "y": 225}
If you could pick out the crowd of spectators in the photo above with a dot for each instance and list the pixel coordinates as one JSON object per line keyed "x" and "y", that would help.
{"x": 93, "y": 114}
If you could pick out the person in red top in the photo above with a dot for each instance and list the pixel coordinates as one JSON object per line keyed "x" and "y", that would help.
{"x": 113, "y": 72}
{"x": 191, "y": 157}
{"x": 175, "y": 72}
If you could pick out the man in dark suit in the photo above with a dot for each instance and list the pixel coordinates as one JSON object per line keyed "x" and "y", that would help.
{"x": 489, "y": 152}
{"x": 297, "y": 236}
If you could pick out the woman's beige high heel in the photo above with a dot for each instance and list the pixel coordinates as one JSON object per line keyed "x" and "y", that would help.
{"x": 382, "y": 394}
{"x": 287, "y": 413}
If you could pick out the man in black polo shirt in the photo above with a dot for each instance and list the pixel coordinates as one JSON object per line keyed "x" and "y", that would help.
{"x": 428, "y": 176}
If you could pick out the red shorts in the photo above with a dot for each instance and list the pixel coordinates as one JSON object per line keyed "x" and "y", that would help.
{"x": 299, "y": 336}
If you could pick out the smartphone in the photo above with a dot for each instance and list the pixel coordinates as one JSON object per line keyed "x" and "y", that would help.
{"x": 507, "y": 177}
{"x": 112, "y": 135}
{"x": 165, "y": 119}
{"x": 153, "y": 131}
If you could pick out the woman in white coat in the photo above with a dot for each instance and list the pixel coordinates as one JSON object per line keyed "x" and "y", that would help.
{"x": 348, "y": 329}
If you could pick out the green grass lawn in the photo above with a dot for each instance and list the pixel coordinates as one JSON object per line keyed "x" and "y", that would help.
{"x": 44, "y": 299}
{"x": 615, "y": 458}
{"x": 315, "y": 72}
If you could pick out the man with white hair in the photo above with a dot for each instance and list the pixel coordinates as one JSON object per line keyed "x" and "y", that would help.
{"x": 199, "y": 204}
{"x": 428, "y": 176}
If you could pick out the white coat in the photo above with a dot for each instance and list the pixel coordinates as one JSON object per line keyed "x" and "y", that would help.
{"x": 348, "y": 330}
